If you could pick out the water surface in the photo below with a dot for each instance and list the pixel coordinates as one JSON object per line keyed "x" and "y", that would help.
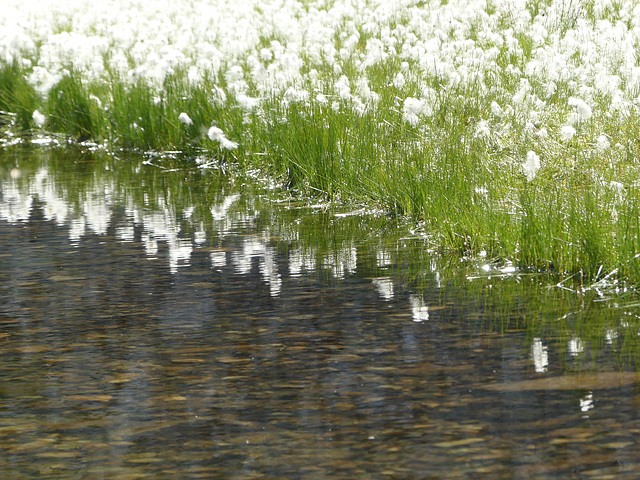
{"x": 161, "y": 322}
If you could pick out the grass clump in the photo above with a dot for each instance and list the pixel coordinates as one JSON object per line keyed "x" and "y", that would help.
{"x": 17, "y": 97}
{"x": 72, "y": 111}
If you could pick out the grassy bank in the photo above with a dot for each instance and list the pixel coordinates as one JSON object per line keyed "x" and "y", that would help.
{"x": 502, "y": 130}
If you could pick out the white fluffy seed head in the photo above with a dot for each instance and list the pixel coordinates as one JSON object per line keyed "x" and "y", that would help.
{"x": 567, "y": 133}
{"x": 482, "y": 129}
{"x": 582, "y": 108}
{"x": 216, "y": 134}
{"x": 603, "y": 143}
{"x": 496, "y": 109}
{"x": 39, "y": 118}
{"x": 531, "y": 165}
{"x": 184, "y": 118}
{"x": 413, "y": 109}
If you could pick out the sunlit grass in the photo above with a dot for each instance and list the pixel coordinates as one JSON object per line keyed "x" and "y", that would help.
{"x": 18, "y": 99}
{"x": 503, "y": 130}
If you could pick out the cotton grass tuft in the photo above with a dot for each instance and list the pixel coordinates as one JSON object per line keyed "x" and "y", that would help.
{"x": 567, "y": 133}
{"x": 184, "y": 118}
{"x": 531, "y": 165}
{"x": 217, "y": 135}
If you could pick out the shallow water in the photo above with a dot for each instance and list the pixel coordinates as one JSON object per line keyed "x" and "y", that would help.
{"x": 182, "y": 324}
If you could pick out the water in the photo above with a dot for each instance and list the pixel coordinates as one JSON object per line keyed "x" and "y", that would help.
{"x": 182, "y": 324}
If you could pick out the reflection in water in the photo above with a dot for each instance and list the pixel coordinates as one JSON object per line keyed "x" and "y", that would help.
{"x": 156, "y": 328}
{"x": 586, "y": 402}
{"x": 576, "y": 347}
{"x": 384, "y": 286}
{"x": 94, "y": 210}
{"x": 255, "y": 247}
{"x": 301, "y": 261}
{"x": 95, "y": 207}
{"x": 419, "y": 310}
{"x": 539, "y": 355}
{"x": 173, "y": 228}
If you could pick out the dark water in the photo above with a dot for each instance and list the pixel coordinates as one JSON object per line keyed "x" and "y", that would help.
{"x": 182, "y": 324}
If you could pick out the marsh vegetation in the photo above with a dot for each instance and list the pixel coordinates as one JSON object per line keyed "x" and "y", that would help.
{"x": 507, "y": 129}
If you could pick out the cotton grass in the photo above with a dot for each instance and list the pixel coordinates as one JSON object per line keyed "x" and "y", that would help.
{"x": 38, "y": 118}
{"x": 409, "y": 105}
{"x": 184, "y": 118}
{"x": 217, "y": 135}
{"x": 531, "y": 165}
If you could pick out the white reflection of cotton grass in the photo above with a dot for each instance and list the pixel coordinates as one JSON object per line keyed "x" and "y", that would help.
{"x": 95, "y": 214}
{"x": 384, "y": 286}
{"x": 180, "y": 251}
{"x": 242, "y": 260}
{"x": 218, "y": 259}
{"x": 586, "y": 402}
{"x": 199, "y": 237}
{"x": 187, "y": 212}
{"x": 301, "y": 260}
{"x": 125, "y": 233}
{"x": 77, "y": 230}
{"x": 383, "y": 258}
{"x": 16, "y": 203}
{"x": 343, "y": 262}
{"x": 269, "y": 270}
{"x": 539, "y": 355}
{"x": 55, "y": 207}
{"x": 219, "y": 212}
{"x": 419, "y": 310}
{"x": 575, "y": 346}
{"x": 150, "y": 245}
